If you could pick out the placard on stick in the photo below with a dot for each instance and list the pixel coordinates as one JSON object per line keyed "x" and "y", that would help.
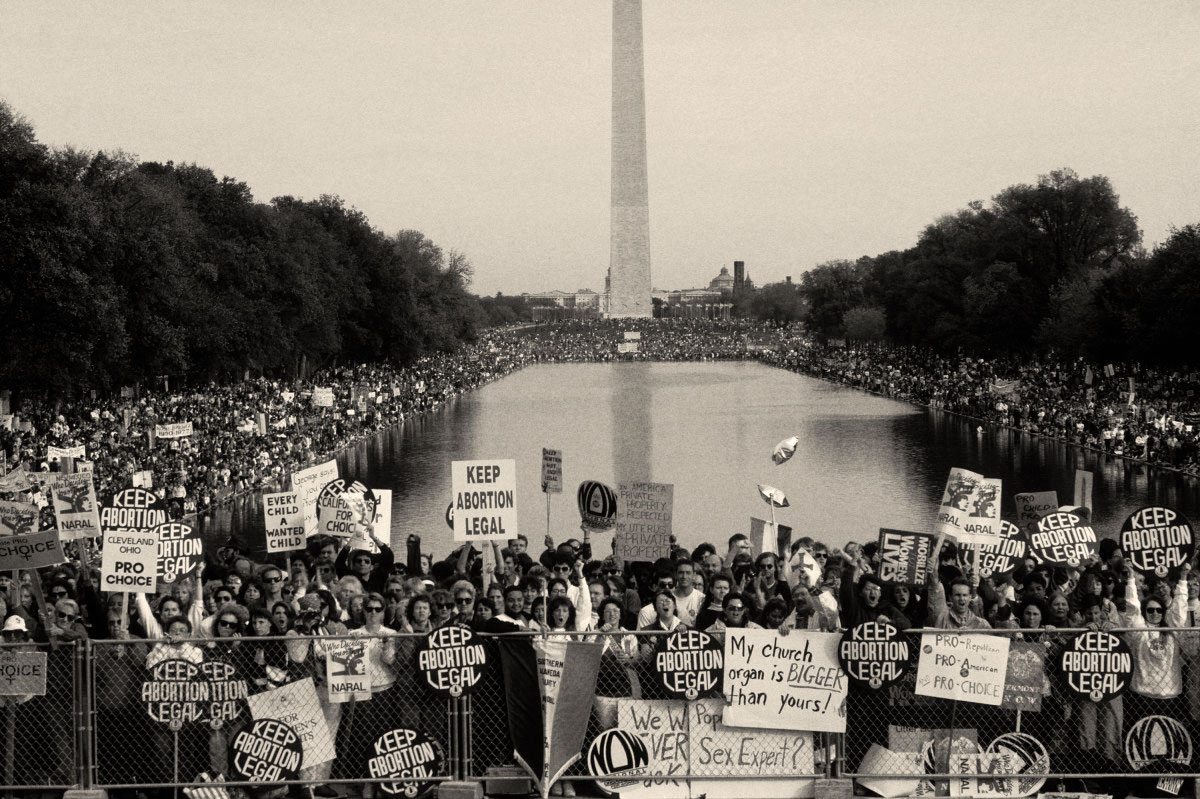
{"x": 283, "y": 518}
{"x": 644, "y": 512}
{"x": 484, "y": 499}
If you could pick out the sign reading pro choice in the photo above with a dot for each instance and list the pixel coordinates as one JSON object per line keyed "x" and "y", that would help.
{"x": 484, "y": 499}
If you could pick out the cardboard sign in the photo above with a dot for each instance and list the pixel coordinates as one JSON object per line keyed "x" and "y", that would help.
{"x": 689, "y": 663}
{"x": 75, "y": 507}
{"x": 1155, "y": 540}
{"x": 1159, "y": 744}
{"x": 790, "y": 683}
{"x": 180, "y": 551}
{"x": 552, "y": 471}
{"x": 1025, "y": 681}
{"x": 383, "y": 517}
{"x": 322, "y": 397}
{"x": 1097, "y": 665}
{"x": 307, "y": 483}
{"x": 129, "y": 562}
{"x": 452, "y": 661}
{"x": 969, "y": 668}
{"x": 485, "y": 504}
{"x": 18, "y": 518}
{"x": 346, "y": 670}
{"x": 402, "y": 759}
{"x": 296, "y": 705}
{"x": 970, "y": 507}
{"x": 1063, "y": 539}
{"x": 176, "y": 430}
{"x": 269, "y": 751}
{"x": 905, "y": 557}
{"x": 283, "y": 520}
{"x": 627, "y": 347}
{"x": 1001, "y": 555}
{"x": 881, "y": 760}
{"x": 874, "y": 654}
{"x": 22, "y": 673}
{"x": 344, "y": 508}
{"x": 643, "y": 529}
{"x": 1032, "y": 506}
{"x": 30, "y": 551}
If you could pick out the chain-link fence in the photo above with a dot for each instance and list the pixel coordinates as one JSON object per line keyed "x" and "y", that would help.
{"x": 42, "y": 712}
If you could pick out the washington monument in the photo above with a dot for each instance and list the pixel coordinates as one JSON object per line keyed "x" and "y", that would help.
{"x": 629, "y": 247}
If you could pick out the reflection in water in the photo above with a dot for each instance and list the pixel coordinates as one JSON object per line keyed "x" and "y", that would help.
{"x": 863, "y": 462}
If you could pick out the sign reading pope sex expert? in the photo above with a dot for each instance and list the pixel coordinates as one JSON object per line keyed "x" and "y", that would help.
{"x": 484, "y": 504}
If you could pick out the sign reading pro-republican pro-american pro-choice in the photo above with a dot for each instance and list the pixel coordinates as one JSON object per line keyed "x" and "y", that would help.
{"x": 485, "y": 495}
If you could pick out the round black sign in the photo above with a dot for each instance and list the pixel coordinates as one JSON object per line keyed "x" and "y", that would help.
{"x": 336, "y": 515}
{"x": 180, "y": 551}
{"x": 452, "y": 660}
{"x": 690, "y": 663}
{"x": 133, "y": 510}
{"x": 270, "y": 751}
{"x": 618, "y": 759}
{"x": 1159, "y": 744}
{"x": 1003, "y": 555}
{"x": 597, "y": 504}
{"x": 175, "y": 692}
{"x": 874, "y": 654}
{"x": 1026, "y": 763}
{"x": 1097, "y": 665}
{"x": 1063, "y": 539}
{"x": 1155, "y": 540}
{"x": 404, "y": 760}
{"x": 226, "y": 691}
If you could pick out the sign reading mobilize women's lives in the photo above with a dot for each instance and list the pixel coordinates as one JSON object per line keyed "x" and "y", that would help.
{"x": 874, "y": 654}
{"x": 75, "y": 506}
{"x": 452, "y": 661}
{"x": 1097, "y": 665}
{"x": 283, "y": 520}
{"x": 644, "y": 512}
{"x": 1156, "y": 539}
{"x": 969, "y": 668}
{"x": 689, "y": 663}
{"x": 1003, "y": 554}
{"x": 904, "y": 557}
{"x": 1062, "y": 539}
{"x": 788, "y": 682}
{"x": 484, "y": 499}
{"x": 970, "y": 508}
{"x": 175, "y": 430}
{"x": 180, "y": 551}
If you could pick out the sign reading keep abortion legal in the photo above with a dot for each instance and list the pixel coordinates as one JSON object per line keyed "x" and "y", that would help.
{"x": 484, "y": 504}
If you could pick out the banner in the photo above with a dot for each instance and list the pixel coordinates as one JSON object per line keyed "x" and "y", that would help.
{"x": 643, "y": 529}
{"x": 175, "y": 430}
{"x": 760, "y": 529}
{"x": 452, "y": 661}
{"x": 565, "y": 710}
{"x": 297, "y": 706}
{"x": 283, "y": 520}
{"x": 133, "y": 510}
{"x": 484, "y": 499}
{"x": 322, "y": 397}
{"x": 1032, "y": 506}
{"x": 791, "y": 682}
{"x": 970, "y": 507}
{"x": 345, "y": 511}
{"x": 627, "y": 346}
{"x": 267, "y": 751}
{"x": 22, "y": 673}
{"x": 905, "y": 557}
{"x": 75, "y": 506}
{"x": 1002, "y": 555}
{"x": 946, "y": 655}
{"x": 1025, "y": 681}
{"x": 552, "y": 471}
{"x": 65, "y": 453}
{"x": 307, "y": 483}
{"x": 402, "y": 758}
{"x": 30, "y": 550}
{"x": 346, "y": 669}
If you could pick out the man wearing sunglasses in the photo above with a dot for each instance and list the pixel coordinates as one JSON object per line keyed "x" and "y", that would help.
{"x": 66, "y": 626}
{"x": 371, "y": 570}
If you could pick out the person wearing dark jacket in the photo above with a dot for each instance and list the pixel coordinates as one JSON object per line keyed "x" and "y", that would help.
{"x": 862, "y": 600}
{"x": 371, "y": 570}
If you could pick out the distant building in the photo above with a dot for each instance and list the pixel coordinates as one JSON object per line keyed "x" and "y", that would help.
{"x": 723, "y": 282}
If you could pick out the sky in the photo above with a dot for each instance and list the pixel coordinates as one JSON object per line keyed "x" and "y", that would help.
{"x": 781, "y": 133}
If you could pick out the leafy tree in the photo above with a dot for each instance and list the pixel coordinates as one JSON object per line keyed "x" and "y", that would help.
{"x": 779, "y": 303}
{"x": 864, "y": 323}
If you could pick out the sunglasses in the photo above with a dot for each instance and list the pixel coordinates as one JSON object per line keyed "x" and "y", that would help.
{"x": 463, "y": 600}
{"x": 1153, "y": 610}
{"x": 224, "y": 598}
{"x": 563, "y": 569}
{"x": 666, "y": 584}
{"x": 445, "y": 605}
{"x": 362, "y": 562}
{"x": 58, "y": 594}
{"x": 66, "y": 616}
{"x": 375, "y": 609}
{"x": 736, "y": 608}
{"x": 227, "y": 623}
{"x": 273, "y": 580}
{"x": 820, "y": 555}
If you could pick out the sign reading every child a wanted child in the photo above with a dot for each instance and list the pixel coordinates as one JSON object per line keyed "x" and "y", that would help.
{"x": 283, "y": 519}
{"x": 485, "y": 499}
{"x": 644, "y": 512}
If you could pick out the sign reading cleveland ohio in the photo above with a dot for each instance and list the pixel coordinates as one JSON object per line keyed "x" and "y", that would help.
{"x": 452, "y": 661}
{"x": 874, "y": 654}
{"x": 690, "y": 663}
{"x": 1063, "y": 539}
{"x": 1097, "y": 665}
{"x": 484, "y": 499}
{"x": 1156, "y": 539}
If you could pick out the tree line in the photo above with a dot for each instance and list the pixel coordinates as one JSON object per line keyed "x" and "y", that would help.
{"x": 1057, "y": 265}
{"x": 117, "y": 271}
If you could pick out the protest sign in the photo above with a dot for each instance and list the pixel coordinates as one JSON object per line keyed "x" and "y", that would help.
{"x": 65, "y": 453}
{"x": 283, "y": 520}
{"x": 552, "y": 471}
{"x": 661, "y": 727}
{"x": 307, "y": 483}
{"x": 269, "y": 751}
{"x": 296, "y": 705}
{"x": 643, "y": 530}
{"x": 874, "y": 654}
{"x": 382, "y": 526}
{"x": 1062, "y": 539}
{"x": 484, "y": 499}
{"x": 30, "y": 550}
{"x": 225, "y": 690}
{"x": 970, "y": 507}
{"x": 1032, "y": 506}
{"x": 791, "y": 683}
{"x": 174, "y": 692}
{"x": 1097, "y": 665}
{"x": 1156, "y": 539}
{"x": 176, "y": 430}
{"x": 633, "y": 335}
{"x": 452, "y": 661}
{"x": 1159, "y": 744}
{"x": 1000, "y": 555}
{"x": 129, "y": 562}
{"x": 597, "y": 504}
{"x": 346, "y": 670}
{"x": 133, "y": 510}
{"x": 180, "y": 551}
{"x": 881, "y": 760}
{"x": 1023, "y": 761}
{"x": 905, "y": 557}
{"x": 22, "y": 673}
{"x": 345, "y": 508}
{"x": 969, "y": 668}
{"x": 627, "y": 346}
{"x": 760, "y": 530}
{"x": 567, "y": 669}
{"x": 1025, "y": 680}
{"x": 403, "y": 760}
{"x": 18, "y": 518}
{"x": 617, "y": 758}
{"x": 322, "y": 397}
{"x": 689, "y": 663}
{"x": 75, "y": 507}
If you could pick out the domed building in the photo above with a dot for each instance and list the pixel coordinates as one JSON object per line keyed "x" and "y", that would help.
{"x": 723, "y": 282}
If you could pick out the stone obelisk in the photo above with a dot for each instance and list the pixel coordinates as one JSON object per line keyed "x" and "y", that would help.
{"x": 629, "y": 246}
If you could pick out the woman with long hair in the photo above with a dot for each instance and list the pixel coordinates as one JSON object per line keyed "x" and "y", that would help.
{"x": 714, "y": 601}
{"x": 377, "y": 716}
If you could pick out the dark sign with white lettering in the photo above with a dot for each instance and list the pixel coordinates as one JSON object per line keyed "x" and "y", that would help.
{"x": 904, "y": 557}
{"x": 690, "y": 663}
{"x": 270, "y": 751}
{"x": 452, "y": 661}
{"x": 874, "y": 654}
{"x": 180, "y": 551}
{"x": 1155, "y": 540}
{"x": 404, "y": 760}
{"x": 1063, "y": 539}
{"x": 175, "y": 692}
{"x": 1002, "y": 554}
{"x": 1097, "y": 665}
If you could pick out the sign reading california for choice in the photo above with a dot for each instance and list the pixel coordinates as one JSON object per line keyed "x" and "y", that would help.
{"x": 484, "y": 499}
